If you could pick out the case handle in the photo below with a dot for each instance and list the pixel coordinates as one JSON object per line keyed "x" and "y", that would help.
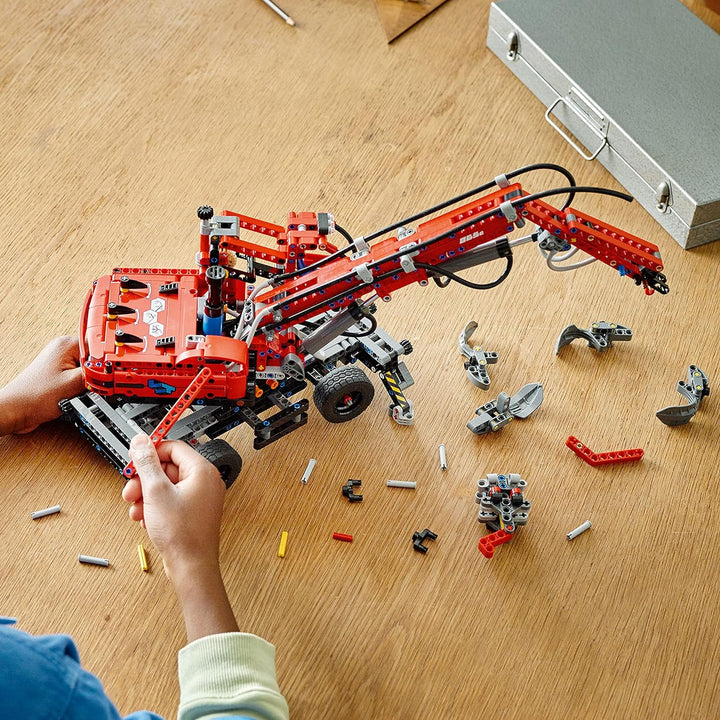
{"x": 572, "y": 143}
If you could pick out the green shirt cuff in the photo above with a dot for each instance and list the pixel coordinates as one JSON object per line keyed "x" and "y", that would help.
{"x": 229, "y": 673}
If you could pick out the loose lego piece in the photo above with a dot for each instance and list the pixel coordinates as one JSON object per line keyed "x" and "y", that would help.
{"x": 600, "y": 336}
{"x": 496, "y": 414}
{"x": 503, "y": 508}
{"x": 283, "y": 544}
{"x": 308, "y": 470}
{"x": 348, "y": 490}
{"x": 606, "y": 458}
{"x": 488, "y": 543}
{"x": 695, "y": 389}
{"x": 143, "y": 558}
{"x": 401, "y": 483}
{"x": 90, "y": 560}
{"x": 47, "y": 511}
{"x": 443, "y": 458}
{"x": 579, "y": 530}
{"x": 419, "y": 538}
{"x": 477, "y": 359}
{"x": 342, "y": 536}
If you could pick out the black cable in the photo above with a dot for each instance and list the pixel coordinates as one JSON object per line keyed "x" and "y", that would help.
{"x": 549, "y": 166}
{"x": 318, "y": 263}
{"x": 426, "y": 243}
{"x": 364, "y": 333}
{"x": 475, "y": 191}
{"x": 344, "y": 233}
{"x": 430, "y": 269}
{"x": 520, "y": 200}
{"x": 441, "y": 206}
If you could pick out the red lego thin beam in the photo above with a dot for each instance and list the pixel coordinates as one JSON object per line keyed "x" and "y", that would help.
{"x": 174, "y": 413}
{"x": 254, "y": 225}
{"x": 488, "y": 543}
{"x": 606, "y": 458}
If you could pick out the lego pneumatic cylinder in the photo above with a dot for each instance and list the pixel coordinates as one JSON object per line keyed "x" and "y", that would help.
{"x": 213, "y": 314}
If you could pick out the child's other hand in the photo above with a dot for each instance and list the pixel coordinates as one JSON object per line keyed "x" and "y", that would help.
{"x": 32, "y": 397}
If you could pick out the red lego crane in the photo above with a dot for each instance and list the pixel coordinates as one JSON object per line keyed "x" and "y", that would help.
{"x": 189, "y": 353}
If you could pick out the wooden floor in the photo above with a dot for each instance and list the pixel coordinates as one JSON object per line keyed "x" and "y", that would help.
{"x": 118, "y": 120}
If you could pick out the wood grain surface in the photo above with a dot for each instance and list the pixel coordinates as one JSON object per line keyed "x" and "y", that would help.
{"x": 118, "y": 120}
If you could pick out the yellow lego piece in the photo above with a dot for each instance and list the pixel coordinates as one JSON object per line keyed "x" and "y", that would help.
{"x": 143, "y": 557}
{"x": 283, "y": 544}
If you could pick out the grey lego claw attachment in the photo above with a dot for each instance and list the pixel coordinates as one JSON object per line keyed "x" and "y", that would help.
{"x": 477, "y": 359}
{"x": 526, "y": 400}
{"x": 489, "y": 419}
{"x": 695, "y": 389}
{"x": 599, "y": 336}
{"x": 496, "y": 414}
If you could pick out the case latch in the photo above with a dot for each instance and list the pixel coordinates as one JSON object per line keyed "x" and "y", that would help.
{"x": 512, "y": 45}
{"x": 662, "y": 195}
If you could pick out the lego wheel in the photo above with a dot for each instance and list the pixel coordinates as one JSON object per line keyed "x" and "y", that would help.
{"x": 224, "y": 457}
{"x": 343, "y": 394}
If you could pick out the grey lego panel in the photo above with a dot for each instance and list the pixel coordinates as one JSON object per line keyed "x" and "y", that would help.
{"x": 642, "y": 76}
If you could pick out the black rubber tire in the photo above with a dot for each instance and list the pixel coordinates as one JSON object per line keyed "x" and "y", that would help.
{"x": 343, "y": 394}
{"x": 224, "y": 457}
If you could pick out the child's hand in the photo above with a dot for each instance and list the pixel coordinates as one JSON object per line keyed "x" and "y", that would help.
{"x": 178, "y": 495}
{"x": 32, "y": 397}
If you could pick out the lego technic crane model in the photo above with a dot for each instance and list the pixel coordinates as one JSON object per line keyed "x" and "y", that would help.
{"x": 189, "y": 354}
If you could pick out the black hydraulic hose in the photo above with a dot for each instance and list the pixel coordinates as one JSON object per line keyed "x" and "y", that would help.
{"x": 344, "y": 233}
{"x": 432, "y": 270}
{"x": 435, "y": 208}
{"x": 514, "y": 202}
{"x": 426, "y": 243}
{"x": 475, "y": 191}
{"x": 368, "y": 331}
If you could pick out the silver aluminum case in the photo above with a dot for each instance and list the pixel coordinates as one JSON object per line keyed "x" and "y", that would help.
{"x": 637, "y": 82}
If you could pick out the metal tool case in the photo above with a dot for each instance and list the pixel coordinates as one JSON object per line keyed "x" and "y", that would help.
{"x": 638, "y": 85}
